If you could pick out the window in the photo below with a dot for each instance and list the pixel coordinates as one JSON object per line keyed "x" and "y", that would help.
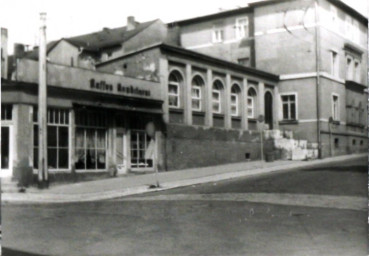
{"x": 334, "y": 17}
{"x": 235, "y": 94}
{"x": 244, "y": 61}
{"x": 142, "y": 146}
{"x": 196, "y": 93}
{"x": 335, "y": 107}
{"x": 57, "y": 138}
{"x": 175, "y": 80}
{"x": 6, "y": 111}
{"x": 349, "y": 68}
{"x": 353, "y": 142}
{"x": 334, "y": 63}
{"x": 217, "y": 95}
{"x": 289, "y": 106}
{"x": 217, "y": 35}
{"x": 357, "y": 71}
{"x": 241, "y": 27}
{"x": 71, "y": 61}
{"x": 251, "y": 99}
{"x": 348, "y": 27}
{"x": 90, "y": 140}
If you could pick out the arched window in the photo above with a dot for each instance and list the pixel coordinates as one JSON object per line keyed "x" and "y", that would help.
{"x": 196, "y": 93}
{"x": 251, "y": 101}
{"x": 174, "y": 89}
{"x": 235, "y": 96}
{"x": 217, "y": 96}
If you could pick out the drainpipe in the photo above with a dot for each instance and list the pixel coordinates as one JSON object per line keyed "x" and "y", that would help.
{"x": 317, "y": 61}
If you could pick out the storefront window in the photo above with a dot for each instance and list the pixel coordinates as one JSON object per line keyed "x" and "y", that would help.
{"x": 90, "y": 140}
{"x": 142, "y": 150}
{"x": 57, "y": 139}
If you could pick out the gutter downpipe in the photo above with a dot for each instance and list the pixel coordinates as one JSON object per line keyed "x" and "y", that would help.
{"x": 317, "y": 61}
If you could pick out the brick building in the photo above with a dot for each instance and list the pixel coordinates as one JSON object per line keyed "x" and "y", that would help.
{"x": 203, "y": 82}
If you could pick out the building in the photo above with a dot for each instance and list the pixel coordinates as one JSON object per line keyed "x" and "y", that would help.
{"x": 4, "y": 52}
{"x": 208, "y": 84}
{"x": 319, "y": 50}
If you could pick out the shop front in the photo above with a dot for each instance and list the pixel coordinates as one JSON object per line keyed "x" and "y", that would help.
{"x": 95, "y": 121}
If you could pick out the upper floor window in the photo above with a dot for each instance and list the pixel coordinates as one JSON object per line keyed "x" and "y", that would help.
{"x": 334, "y": 17}
{"x": 235, "y": 95}
{"x": 241, "y": 27}
{"x": 357, "y": 71}
{"x": 251, "y": 101}
{"x": 6, "y": 111}
{"x": 218, "y": 35}
{"x": 217, "y": 96}
{"x": 174, "y": 88}
{"x": 334, "y": 64}
{"x": 335, "y": 107}
{"x": 289, "y": 106}
{"x": 196, "y": 93}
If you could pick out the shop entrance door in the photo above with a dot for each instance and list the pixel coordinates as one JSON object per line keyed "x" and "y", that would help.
{"x": 6, "y": 152}
{"x": 121, "y": 151}
{"x": 142, "y": 151}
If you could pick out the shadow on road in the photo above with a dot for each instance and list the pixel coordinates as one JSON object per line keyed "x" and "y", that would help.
{"x": 12, "y": 252}
{"x": 355, "y": 168}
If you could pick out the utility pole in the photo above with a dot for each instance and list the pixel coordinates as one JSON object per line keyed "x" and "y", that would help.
{"x": 317, "y": 61}
{"x": 43, "y": 179}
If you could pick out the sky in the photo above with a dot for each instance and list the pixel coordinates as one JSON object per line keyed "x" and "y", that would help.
{"x": 67, "y": 18}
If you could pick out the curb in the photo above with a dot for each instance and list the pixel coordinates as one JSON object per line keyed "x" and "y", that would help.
{"x": 24, "y": 198}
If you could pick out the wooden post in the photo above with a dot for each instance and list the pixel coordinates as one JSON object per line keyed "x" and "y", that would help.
{"x": 43, "y": 179}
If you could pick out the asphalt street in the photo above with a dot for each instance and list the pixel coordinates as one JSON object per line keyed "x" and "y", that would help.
{"x": 315, "y": 211}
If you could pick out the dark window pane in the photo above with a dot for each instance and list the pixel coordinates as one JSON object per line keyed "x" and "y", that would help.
{"x": 51, "y": 136}
{"x": 35, "y": 158}
{"x": 51, "y": 116}
{"x": 35, "y": 113}
{"x": 63, "y": 136}
{"x": 284, "y": 98}
{"x": 63, "y": 158}
{"x": 66, "y": 116}
{"x": 35, "y": 135}
{"x": 91, "y": 159}
{"x": 80, "y": 159}
{"x": 285, "y": 111}
{"x": 51, "y": 156}
{"x": 293, "y": 111}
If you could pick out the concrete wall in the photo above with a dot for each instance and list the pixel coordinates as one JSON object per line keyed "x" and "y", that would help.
{"x": 4, "y": 53}
{"x": 189, "y": 147}
{"x": 198, "y": 37}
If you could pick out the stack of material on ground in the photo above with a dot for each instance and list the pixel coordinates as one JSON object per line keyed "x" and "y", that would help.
{"x": 292, "y": 149}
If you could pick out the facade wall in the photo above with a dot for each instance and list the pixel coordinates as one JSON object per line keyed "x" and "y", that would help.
{"x": 64, "y": 54}
{"x": 284, "y": 37}
{"x": 4, "y": 53}
{"x": 189, "y": 147}
{"x": 199, "y": 37}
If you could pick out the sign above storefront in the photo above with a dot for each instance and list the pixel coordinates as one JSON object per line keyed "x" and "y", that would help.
{"x": 89, "y": 80}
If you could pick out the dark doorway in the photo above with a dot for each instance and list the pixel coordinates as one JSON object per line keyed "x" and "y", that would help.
{"x": 268, "y": 102}
{"x": 4, "y": 147}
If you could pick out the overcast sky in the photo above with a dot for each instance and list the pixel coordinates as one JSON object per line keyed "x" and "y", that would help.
{"x": 67, "y": 18}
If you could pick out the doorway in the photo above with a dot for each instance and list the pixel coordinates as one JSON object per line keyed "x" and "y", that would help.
{"x": 121, "y": 151}
{"x": 268, "y": 102}
{"x": 6, "y": 151}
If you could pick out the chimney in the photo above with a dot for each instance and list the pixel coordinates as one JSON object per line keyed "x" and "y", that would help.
{"x": 131, "y": 23}
{"x": 19, "y": 50}
{"x": 4, "y": 53}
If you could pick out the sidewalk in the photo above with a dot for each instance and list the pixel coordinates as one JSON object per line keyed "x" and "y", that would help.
{"x": 124, "y": 186}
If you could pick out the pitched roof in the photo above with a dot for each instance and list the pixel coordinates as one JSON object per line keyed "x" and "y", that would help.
{"x": 99, "y": 40}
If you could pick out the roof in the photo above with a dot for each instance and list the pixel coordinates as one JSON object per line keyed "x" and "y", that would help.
{"x": 199, "y": 56}
{"x": 210, "y": 16}
{"x": 97, "y": 41}
{"x": 250, "y": 7}
{"x": 338, "y": 3}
